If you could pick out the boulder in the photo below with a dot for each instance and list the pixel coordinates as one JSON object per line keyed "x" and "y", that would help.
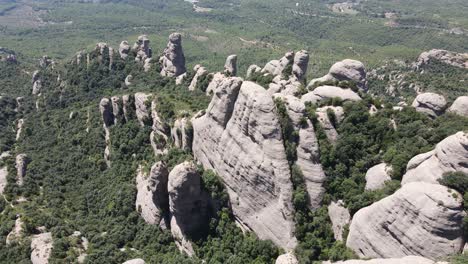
{"x": 41, "y": 248}
{"x": 394, "y": 226}
{"x": 251, "y": 70}
{"x": 21, "y": 168}
{"x": 276, "y": 67}
{"x": 460, "y": 106}
{"x": 329, "y": 125}
{"x": 180, "y": 79}
{"x": 345, "y": 70}
{"x": 159, "y": 135}
{"x": 142, "y": 108}
{"x": 105, "y": 107}
{"x": 377, "y": 176}
{"x": 449, "y": 155}
{"x": 173, "y": 59}
{"x": 135, "y": 261}
{"x": 188, "y": 204}
{"x": 403, "y": 260}
{"x": 124, "y": 49}
{"x": 230, "y": 67}
{"x": 328, "y": 92}
{"x": 287, "y": 258}
{"x": 430, "y": 103}
{"x": 152, "y": 200}
{"x": 340, "y": 217}
{"x": 301, "y": 61}
{"x": 448, "y": 57}
{"x": 239, "y": 137}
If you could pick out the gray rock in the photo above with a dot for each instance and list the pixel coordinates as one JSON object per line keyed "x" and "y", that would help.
{"x": 41, "y": 248}
{"x": 239, "y": 137}
{"x": 276, "y": 67}
{"x": 17, "y": 231}
{"x": 377, "y": 176}
{"x": 340, "y": 217}
{"x": 159, "y": 135}
{"x": 105, "y": 107}
{"x": 128, "y": 80}
{"x": 21, "y": 165}
{"x": 430, "y": 103}
{"x": 287, "y": 258}
{"x": 152, "y": 200}
{"x": 327, "y": 124}
{"x": 301, "y": 61}
{"x": 117, "y": 108}
{"x": 181, "y": 133}
{"x": 147, "y": 64}
{"x": 124, "y": 49}
{"x": 19, "y": 128}
{"x": 45, "y": 61}
{"x": 180, "y": 79}
{"x": 3, "y": 178}
{"x": 215, "y": 83}
{"x": 449, "y": 155}
{"x": 142, "y": 107}
{"x": 128, "y": 106}
{"x": 394, "y": 226}
{"x": 173, "y": 59}
{"x": 345, "y": 70}
{"x": 452, "y": 58}
{"x": 141, "y": 46}
{"x": 460, "y": 106}
{"x": 327, "y": 92}
{"x": 135, "y": 261}
{"x": 403, "y": 260}
{"x": 230, "y": 67}
{"x": 252, "y": 69}
{"x": 199, "y": 71}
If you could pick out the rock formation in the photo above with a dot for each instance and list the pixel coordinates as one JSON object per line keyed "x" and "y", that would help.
{"x": 41, "y": 246}
{"x": 240, "y": 138}
{"x": 3, "y": 178}
{"x": 124, "y": 49}
{"x": 329, "y": 125}
{"x": 142, "y": 49}
{"x": 152, "y": 200}
{"x": 128, "y": 106}
{"x": 449, "y": 155}
{"x": 21, "y": 168}
{"x": 159, "y": 134}
{"x": 377, "y": 176}
{"x": 16, "y": 233}
{"x": 142, "y": 106}
{"x": 419, "y": 219}
{"x": 287, "y": 258}
{"x": 188, "y": 204}
{"x": 105, "y": 107}
{"x": 45, "y": 61}
{"x": 448, "y": 57}
{"x": 430, "y": 103}
{"x": 251, "y": 70}
{"x": 329, "y": 92}
{"x": 276, "y": 67}
{"x": 340, "y": 217}
{"x": 173, "y": 59}
{"x": 128, "y": 80}
{"x": 460, "y": 106}
{"x": 301, "y": 61}
{"x": 182, "y": 133}
{"x": 403, "y": 260}
{"x": 135, "y": 261}
{"x": 199, "y": 71}
{"x": 19, "y": 128}
{"x": 230, "y": 67}
{"x": 345, "y": 70}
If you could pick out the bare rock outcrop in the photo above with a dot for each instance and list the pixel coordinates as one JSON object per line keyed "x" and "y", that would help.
{"x": 287, "y": 258}
{"x": 152, "y": 200}
{"x": 142, "y": 49}
{"x": 448, "y": 57}
{"x": 188, "y": 204}
{"x": 460, "y": 106}
{"x": 181, "y": 133}
{"x": 16, "y": 233}
{"x": 199, "y": 71}
{"x": 430, "y": 103}
{"x": 328, "y": 92}
{"x": 173, "y": 59}
{"x": 124, "y": 49}
{"x": 377, "y": 176}
{"x": 394, "y": 226}
{"x": 142, "y": 106}
{"x": 41, "y": 248}
{"x": 276, "y": 67}
{"x": 340, "y": 217}
{"x": 403, "y": 260}
{"x": 230, "y": 67}
{"x": 449, "y": 155}
{"x": 21, "y": 168}
{"x": 251, "y": 70}
{"x": 159, "y": 135}
{"x": 117, "y": 108}
{"x": 135, "y": 261}
{"x": 301, "y": 62}
{"x": 327, "y": 124}
{"x": 105, "y": 107}
{"x": 345, "y": 70}
{"x": 19, "y": 128}
{"x": 240, "y": 138}
{"x": 128, "y": 80}
{"x": 3, "y": 178}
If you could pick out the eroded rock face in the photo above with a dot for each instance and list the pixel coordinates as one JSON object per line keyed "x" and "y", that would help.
{"x": 393, "y": 227}
{"x": 230, "y": 67}
{"x": 3, "y": 178}
{"x": 21, "y": 168}
{"x": 252, "y": 69}
{"x": 158, "y": 136}
{"x": 327, "y": 92}
{"x": 124, "y": 49}
{"x": 301, "y": 61}
{"x": 41, "y": 246}
{"x": 404, "y": 260}
{"x": 188, "y": 204}
{"x": 327, "y": 124}
{"x": 340, "y": 217}
{"x": 135, "y": 261}
{"x": 240, "y": 138}
{"x": 430, "y": 103}
{"x": 449, "y": 155}
{"x": 19, "y": 128}
{"x": 152, "y": 200}
{"x": 117, "y": 110}
{"x": 173, "y": 59}
{"x": 105, "y": 107}
{"x": 128, "y": 106}
{"x": 452, "y": 58}
{"x": 16, "y": 233}
{"x": 345, "y": 70}
{"x": 460, "y": 106}
{"x": 377, "y": 176}
{"x": 142, "y": 106}
{"x": 141, "y": 46}
{"x": 276, "y": 67}
{"x": 182, "y": 134}
{"x": 287, "y": 258}
{"x": 199, "y": 71}
{"x": 128, "y": 80}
